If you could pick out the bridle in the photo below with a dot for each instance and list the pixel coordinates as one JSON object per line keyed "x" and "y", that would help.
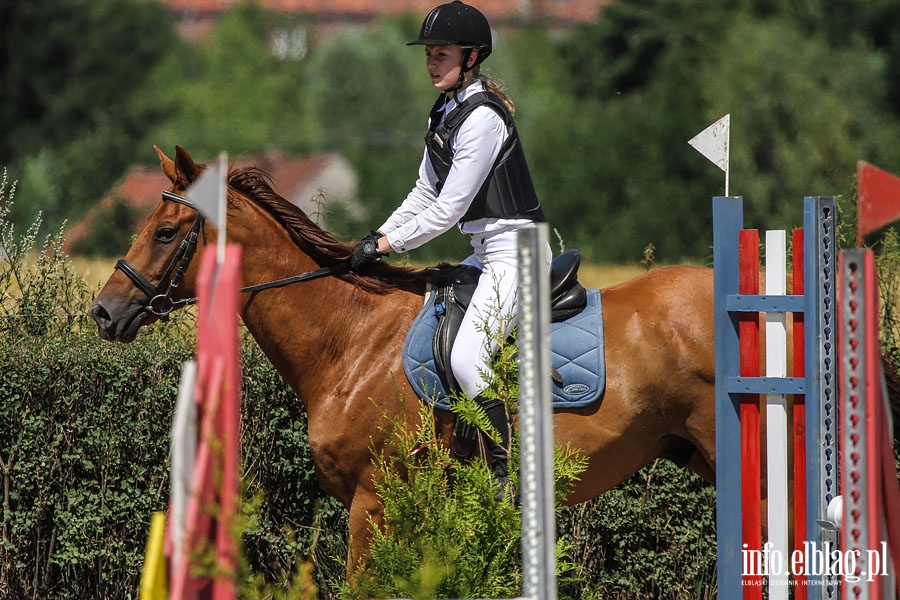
{"x": 160, "y": 298}
{"x": 160, "y": 295}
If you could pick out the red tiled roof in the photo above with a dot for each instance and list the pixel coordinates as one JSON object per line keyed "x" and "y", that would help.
{"x": 289, "y": 173}
{"x": 141, "y": 186}
{"x": 495, "y": 10}
{"x": 140, "y": 189}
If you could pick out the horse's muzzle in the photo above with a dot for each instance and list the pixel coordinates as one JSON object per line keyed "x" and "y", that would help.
{"x": 121, "y": 328}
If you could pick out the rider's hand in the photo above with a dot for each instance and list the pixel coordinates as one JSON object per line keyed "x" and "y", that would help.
{"x": 366, "y": 252}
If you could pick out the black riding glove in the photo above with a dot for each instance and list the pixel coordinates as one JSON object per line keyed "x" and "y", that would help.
{"x": 366, "y": 252}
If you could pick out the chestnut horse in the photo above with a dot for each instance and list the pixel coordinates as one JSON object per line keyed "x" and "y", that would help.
{"x": 337, "y": 341}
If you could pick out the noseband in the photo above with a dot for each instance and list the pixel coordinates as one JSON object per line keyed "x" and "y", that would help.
{"x": 160, "y": 295}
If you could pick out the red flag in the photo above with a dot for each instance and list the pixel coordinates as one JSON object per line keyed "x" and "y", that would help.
{"x": 877, "y": 199}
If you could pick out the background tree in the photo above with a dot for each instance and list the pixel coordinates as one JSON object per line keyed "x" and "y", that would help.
{"x": 230, "y": 92}
{"x": 808, "y": 111}
{"x": 369, "y": 99}
{"x": 803, "y": 110}
{"x": 67, "y": 71}
{"x": 87, "y": 88}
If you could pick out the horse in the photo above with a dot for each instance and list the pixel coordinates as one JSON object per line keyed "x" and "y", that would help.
{"x": 336, "y": 339}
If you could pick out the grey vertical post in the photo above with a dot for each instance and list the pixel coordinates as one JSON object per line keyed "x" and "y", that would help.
{"x": 536, "y": 417}
{"x": 854, "y": 423}
{"x": 821, "y": 343}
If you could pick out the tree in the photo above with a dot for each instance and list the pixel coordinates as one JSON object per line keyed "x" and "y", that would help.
{"x": 68, "y": 69}
{"x": 807, "y": 112}
{"x": 230, "y": 92}
{"x": 629, "y": 178}
{"x": 803, "y": 110}
{"x": 369, "y": 96}
{"x": 65, "y": 63}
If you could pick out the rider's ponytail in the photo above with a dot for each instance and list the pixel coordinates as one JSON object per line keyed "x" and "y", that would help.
{"x": 497, "y": 88}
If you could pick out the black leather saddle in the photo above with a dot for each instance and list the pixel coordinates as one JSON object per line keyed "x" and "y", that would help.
{"x": 567, "y": 298}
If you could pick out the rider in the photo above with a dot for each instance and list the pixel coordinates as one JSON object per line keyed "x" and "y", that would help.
{"x": 474, "y": 175}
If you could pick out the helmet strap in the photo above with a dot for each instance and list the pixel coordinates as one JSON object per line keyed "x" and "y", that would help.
{"x": 464, "y": 68}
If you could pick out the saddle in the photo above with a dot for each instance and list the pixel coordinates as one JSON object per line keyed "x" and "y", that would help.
{"x": 453, "y": 295}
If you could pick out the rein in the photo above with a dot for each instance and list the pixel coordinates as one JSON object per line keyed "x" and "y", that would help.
{"x": 160, "y": 295}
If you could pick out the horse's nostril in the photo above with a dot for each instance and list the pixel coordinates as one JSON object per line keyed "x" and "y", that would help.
{"x": 100, "y": 315}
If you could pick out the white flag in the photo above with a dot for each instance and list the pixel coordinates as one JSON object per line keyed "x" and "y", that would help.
{"x": 712, "y": 142}
{"x": 206, "y": 193}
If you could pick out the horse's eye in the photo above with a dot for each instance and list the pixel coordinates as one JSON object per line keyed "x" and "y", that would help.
{"x": 165, "y": 234}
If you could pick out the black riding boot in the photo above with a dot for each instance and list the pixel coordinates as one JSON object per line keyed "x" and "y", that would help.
{"x": 496, "y": 414}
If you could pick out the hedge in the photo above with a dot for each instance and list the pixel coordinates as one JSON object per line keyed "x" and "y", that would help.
{"x": 84, "y": 440}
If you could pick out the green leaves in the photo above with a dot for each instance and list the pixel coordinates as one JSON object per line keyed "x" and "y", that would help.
{"x": 444, "y": 534}
{"x": 651, "y": 537}
{"x": 649, "y": 75}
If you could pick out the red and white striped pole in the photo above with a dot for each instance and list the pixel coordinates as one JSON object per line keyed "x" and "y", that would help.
{"x": 214, "y": 500}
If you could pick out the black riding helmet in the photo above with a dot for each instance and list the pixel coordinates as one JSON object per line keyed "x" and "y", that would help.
{"x": 456, "y": 23}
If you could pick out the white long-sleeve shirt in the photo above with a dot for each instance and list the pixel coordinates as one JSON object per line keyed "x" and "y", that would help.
{"x": 426, "y": 213}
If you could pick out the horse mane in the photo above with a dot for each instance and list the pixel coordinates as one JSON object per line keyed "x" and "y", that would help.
{"x": 320, "y": 245}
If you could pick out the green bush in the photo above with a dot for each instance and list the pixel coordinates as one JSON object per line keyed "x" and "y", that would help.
{"x": 84, "y": 441}
{"x": 444, "y": 536}
{"x": 653, "y": 536}
{"x": 84, "y": 429}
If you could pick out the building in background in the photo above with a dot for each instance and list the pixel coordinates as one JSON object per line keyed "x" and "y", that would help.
{"x": 316, "y": 183}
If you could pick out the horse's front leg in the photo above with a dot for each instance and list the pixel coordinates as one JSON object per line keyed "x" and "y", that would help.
{"x": 366, "y": 511}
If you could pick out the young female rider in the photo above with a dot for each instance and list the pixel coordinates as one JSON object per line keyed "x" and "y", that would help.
{"x": 473, "y": 175}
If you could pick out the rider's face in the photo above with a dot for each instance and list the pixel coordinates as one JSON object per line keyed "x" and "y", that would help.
{"x": 444, "y": 64}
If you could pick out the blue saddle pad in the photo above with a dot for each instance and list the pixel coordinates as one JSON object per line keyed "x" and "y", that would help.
{"x": 576, "y": 354}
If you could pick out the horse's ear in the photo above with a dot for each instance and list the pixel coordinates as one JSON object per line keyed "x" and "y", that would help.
{"x": 186, "y": 170}
{"x": 168, "y": 165}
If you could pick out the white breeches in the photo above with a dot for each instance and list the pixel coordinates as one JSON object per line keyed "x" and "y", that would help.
{"x": 493, "y": 307}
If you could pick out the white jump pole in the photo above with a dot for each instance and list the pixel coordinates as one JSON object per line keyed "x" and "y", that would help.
{"x": 536, "y": 417}
{"x": 183, "y": 455}
{"x": 776, "y": 422}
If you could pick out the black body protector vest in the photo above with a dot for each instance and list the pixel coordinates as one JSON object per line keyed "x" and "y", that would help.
{"x": 508, "y": 192}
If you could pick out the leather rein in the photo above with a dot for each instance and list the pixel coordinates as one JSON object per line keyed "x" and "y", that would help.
{"x": 160, "y": 298}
